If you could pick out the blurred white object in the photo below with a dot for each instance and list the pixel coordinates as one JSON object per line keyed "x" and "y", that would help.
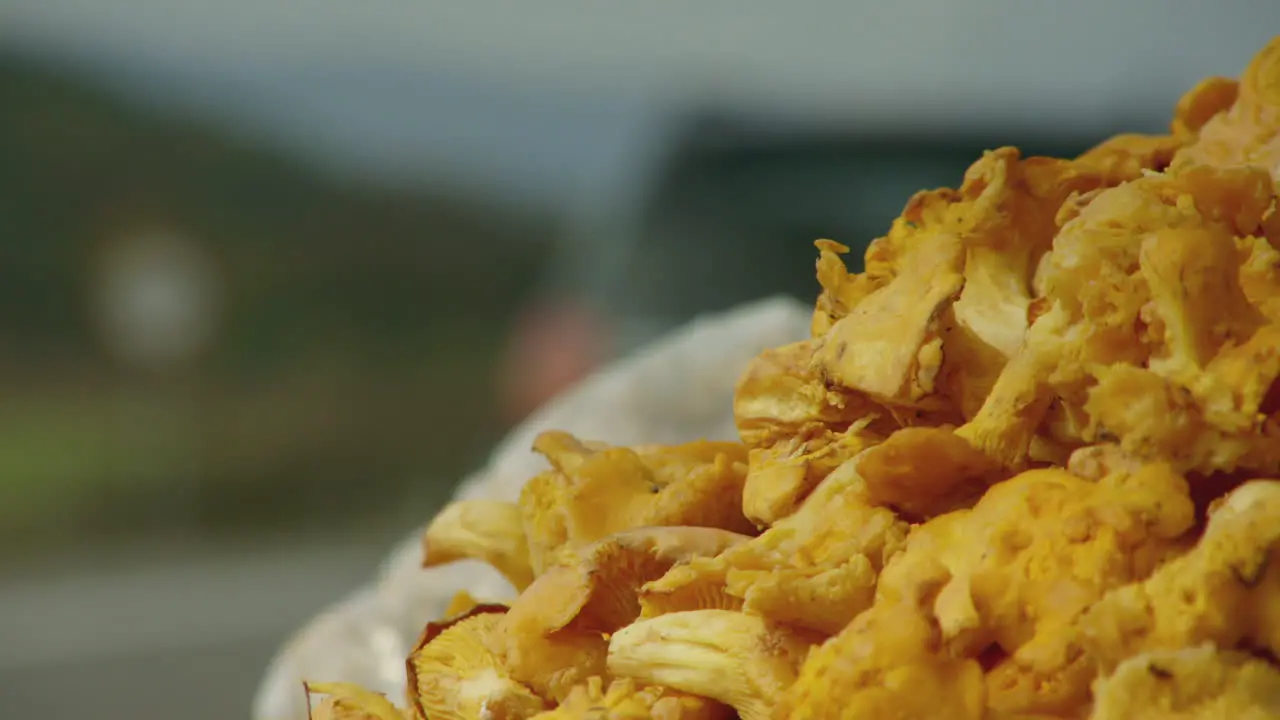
{"x": 678, "y": 389}
{"x": 156, "y": 299}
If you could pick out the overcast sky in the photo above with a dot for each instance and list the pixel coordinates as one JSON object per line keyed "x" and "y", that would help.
{"x": 541, "y": 100}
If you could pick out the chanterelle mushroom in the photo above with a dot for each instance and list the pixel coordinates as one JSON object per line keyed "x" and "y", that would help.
{"x": 1008, "y": 576}
{"x": 1195, "y": 683}
{"x": 595, "y": 491}
{"x": 798, "y": 430}
{"x": 625, "y": 700}
{"x": 815, "y": 569}
{"x": 741, "y": 660}
{"x": 555, "y": 635}
{"x": 454, "y": 676}
{"x": 1225, "y": 590}
{"x": 485, "y": 530}
{"x": 345, "y": 701}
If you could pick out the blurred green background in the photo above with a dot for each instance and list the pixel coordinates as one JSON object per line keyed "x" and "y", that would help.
{"x": 349, "y": 356}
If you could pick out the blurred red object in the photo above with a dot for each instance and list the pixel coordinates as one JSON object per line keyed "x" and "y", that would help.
{"x": 554, "y": 343}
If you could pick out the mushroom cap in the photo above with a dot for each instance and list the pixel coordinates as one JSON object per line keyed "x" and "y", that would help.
{"x": 454, "y": 676}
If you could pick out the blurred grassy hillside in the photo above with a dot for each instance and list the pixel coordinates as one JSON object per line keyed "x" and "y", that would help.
{"x": 348, "y": 373}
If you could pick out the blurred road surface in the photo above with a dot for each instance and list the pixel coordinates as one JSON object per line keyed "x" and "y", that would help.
{"x": 137, "y": 639}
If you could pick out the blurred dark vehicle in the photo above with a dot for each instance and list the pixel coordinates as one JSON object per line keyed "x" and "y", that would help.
{"x": 732, "y": 209}
{"x": 735, "y": 211}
